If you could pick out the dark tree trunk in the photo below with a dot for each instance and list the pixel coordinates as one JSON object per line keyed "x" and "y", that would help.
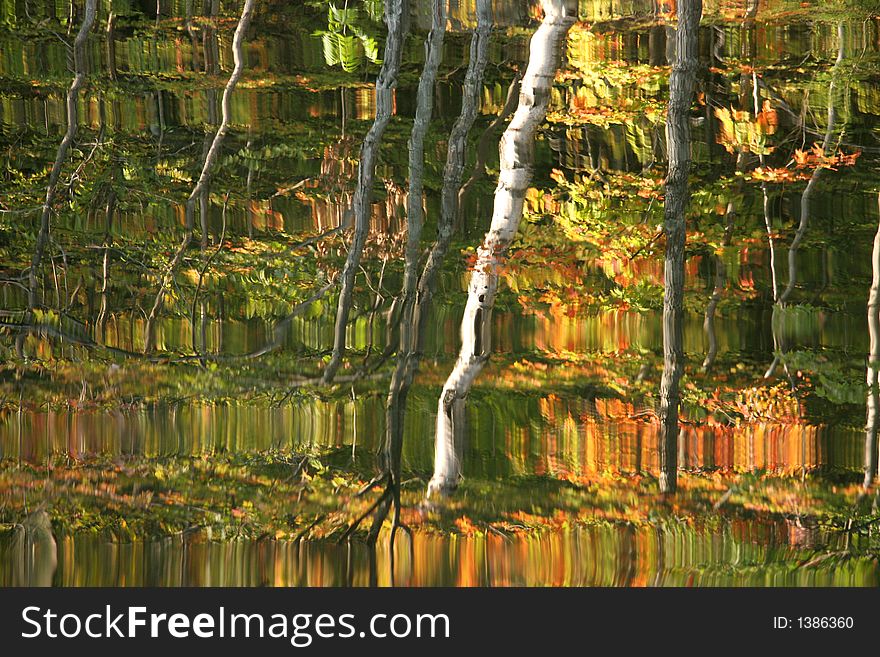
{"x": 414, "y": 314}
{"x": 678, "y": 145}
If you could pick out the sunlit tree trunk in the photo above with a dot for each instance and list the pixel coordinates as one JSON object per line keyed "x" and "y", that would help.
{"x": 516, "y": 156}
{"x": 395, "y": 20}
{"x": 413, "y": 322}
{"x": 206, "y": 173}
{"x": 678, "y": 144}
{"x": 872, "y": 426}
{"x": 111, "y": 45}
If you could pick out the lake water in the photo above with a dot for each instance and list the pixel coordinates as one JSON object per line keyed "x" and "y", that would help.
{"x": 156, "y": 334}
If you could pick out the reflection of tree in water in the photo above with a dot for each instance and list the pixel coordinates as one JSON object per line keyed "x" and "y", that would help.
{"x": 678, "y": 143}
{"x": 201, "y": 189}
{"x": 779, "y": 341}
{"x": 872, "y": 425}
{"x": 418, "y": 289}
{"x": 72, "y": 107}
{"x": 421, "y": 267}
{"x": 34, "y": 551}
{"x": 516, "y": 155}
{"x": 732, "y": 210}
{"x": 385, "y": 85}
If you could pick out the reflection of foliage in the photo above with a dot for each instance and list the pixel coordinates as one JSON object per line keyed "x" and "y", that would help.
{"x": 838, "y": 382}
{"x": 586, "y": 267}
{"x": 374, "y": 8}
{"x": 347, "y": 43}
{"x": 275, "y": 493}
{"x": 740, "y": 133}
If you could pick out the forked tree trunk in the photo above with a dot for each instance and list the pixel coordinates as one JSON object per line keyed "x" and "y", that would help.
{"x": 516, "y": 156}
{"x": 401, "y": 380}
{"x": 678, "y": 144}
{"x": 413, "y": 320}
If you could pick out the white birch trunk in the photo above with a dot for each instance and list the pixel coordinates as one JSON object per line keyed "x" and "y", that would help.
{"x": 516, "y": 155}
{"x": 872, "y": 425}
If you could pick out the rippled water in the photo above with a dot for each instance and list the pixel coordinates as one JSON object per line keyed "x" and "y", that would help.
{"x": 558, "y": 400}
{"x": 746, "y": 554}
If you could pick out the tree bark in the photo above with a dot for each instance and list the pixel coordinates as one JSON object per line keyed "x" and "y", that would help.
{"x": 79, "y": 67}
{"x": 451, "y": 197}
{"x": 414, "y": 316}
{"x": 401, "y": 380}
{"x": 516, "y": 156}
{"x": 872, "y": 425}
{"x": 678, "y": 144}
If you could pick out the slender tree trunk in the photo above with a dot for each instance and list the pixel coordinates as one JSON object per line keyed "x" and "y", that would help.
{"x": 109, "y": 212}
{"x": 678, "y": 144}
{"x": 205, "y": 175}
{"x": 401, "y": 380}
{"x": 720, "y": 275}
{"x": 806, "y": 208}
{"x": 111, "y": 45}
{"x": 385, "y": 86}
{"x": 79, "y": 67}
{"x": 414, "y": 316}
{"x": 451, "y": 194}
{"x": 872, "y": 426}
{"x": 516, "y": 155}
{"x": 415, "y": 196}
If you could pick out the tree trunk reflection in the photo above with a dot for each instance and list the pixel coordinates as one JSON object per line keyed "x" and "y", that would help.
{"x": 395, "y": 16}
{"x": 806, "y": 211}
{"x": 678, "y": 142}
{"x": 516, "y": 155}
{"x": 199, "y": 192}
{"x": 416, "y": 310}
{"x": 872, "y": 425}
{"x": 72, "y": 107}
